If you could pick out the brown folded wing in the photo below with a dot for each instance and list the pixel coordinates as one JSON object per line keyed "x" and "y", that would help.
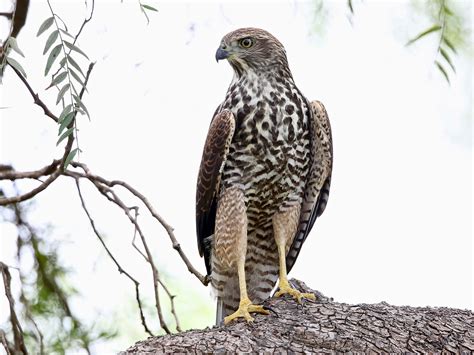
{"x": 319, "y": 182}
{"x": 213, "y": 160}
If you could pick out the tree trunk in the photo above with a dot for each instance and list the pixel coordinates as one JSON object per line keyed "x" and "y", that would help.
{"x": 327, "y": 326}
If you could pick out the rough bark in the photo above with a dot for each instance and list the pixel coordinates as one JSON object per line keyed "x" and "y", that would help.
{"x": 326, "y": 326}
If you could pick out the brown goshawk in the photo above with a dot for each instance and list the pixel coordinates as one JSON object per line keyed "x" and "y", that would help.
{"x": 264, "y": 176}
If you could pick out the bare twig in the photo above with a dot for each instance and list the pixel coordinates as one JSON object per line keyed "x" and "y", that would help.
{"x": 11, "y": 174}
{"x": 112, "y": 196}
{"x": 109, "y": 253}
{"x": 19, "y": 341}
{"x": 35, "y": 96}
{"x": 204, "y": 279}
{"x": 86, "y": 20}
{"x": 173, "y": 308}
{"x": 5, "y": 343}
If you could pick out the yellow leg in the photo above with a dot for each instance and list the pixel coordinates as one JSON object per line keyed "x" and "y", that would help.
{"x": 245, "y": 305}
{"x": 284, "y": 285}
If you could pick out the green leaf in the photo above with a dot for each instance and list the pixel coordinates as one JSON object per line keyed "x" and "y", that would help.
{"x": 65, "y": 135}
{"x": 74, "y": 64}
{"x": 45, "y": 25}
{"x": 449, "y": 44}
{"x": 62, "y": 92}
{"x": 70, "y": 157}
{"x": 66, "y": 121}
{"x": 441, "y": 69}
{"x": 78, "y": 79}
{"x": 148, "y": 7}
{"x": 16, "y": 65}
{"x": 75, "y": 48}
{"x": 52, "y": 57}
{"x": 14, "y": 45}
{"x": 58, "y": 79}
{"x": 65, "y": 111}
{"x": 81, "y": 105}
{"x": 51, "y": 39}
{"x": 66, "y": 33}
{"x": 349, "y": 3}
{"x": 448, "y": 11}
{"x": 447, "y": 58}
{"x": 424, "y": 33}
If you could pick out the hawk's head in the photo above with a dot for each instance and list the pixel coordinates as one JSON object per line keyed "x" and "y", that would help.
{"x": 252, "y": 49}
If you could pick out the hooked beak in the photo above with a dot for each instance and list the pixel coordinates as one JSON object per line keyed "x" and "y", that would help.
{"x": 221, "y": 54}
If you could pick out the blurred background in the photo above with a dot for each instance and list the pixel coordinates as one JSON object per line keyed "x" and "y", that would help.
{"x": 398, "y": 226}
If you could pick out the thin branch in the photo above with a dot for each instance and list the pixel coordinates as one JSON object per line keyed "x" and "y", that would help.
{"x": 19, "y": 341}
{"x": 109, "y": 253}
{"x": 4, "y": 341}
{"x": 86, "y": 20}
{"x": 112, "y": 196}
{"x": 11, "y": 174}
{"x": 204, "y": 279}
{"x": 173, "y": 308}
{"x": 35, "y": 96}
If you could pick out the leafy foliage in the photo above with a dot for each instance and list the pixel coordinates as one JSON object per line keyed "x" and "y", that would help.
{"x": 448, "y": 25}
{"x": 11, "y": 46}
{"x": 69, "y": 70}
{"x": 49, "y": 324}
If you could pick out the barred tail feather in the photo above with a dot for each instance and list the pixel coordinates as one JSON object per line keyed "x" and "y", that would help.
{"x": 219, "y": 311}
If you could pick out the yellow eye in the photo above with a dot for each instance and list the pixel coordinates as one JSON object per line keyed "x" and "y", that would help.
{"x": 246, "y": 42}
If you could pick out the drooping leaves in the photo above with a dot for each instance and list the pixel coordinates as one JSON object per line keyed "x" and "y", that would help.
{"x": 81, "y": 105}
{"x": 45, "y": 25}
{"x": 65, "y": 111}
{"x": 447, "y": 58}
{"x": 52, "y": 57}
{"x": 74, "y": 64}
{"x": 442, "y": 70}
{"x": 75, "y": 48}
{"x": 12, "y": 43}
{"x": 148, "y": 7}
{"x": 50, "y": 41}
{"x": 78, "y": 79}
{"x": 16, "y": 65}
{"x": 65, "y": 135}
{"x": 70, "y": 157}
{"x": 57, "y": 79}
{"x": 62, "y": 92}
{"x": 65, "y": 122}
{"x": 432, "y": 29}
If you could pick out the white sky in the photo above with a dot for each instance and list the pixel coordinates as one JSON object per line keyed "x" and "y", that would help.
{"x": 398, "y": 226}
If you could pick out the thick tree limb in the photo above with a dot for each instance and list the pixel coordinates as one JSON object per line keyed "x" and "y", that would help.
{"x": 326, "y": 326}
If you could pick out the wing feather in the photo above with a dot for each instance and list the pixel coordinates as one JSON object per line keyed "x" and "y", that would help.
{"x": 319, "y": 182}
{"x": 213, "y": 159}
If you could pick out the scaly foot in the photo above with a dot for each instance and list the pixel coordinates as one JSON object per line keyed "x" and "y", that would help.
{"x": 285, "y": 288}
{"x": 245, "y": 308}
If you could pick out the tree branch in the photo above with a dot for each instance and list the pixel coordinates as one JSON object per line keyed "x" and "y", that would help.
{"x": 204, "y": 279}
{"x": 109, "y": 253}
{"x": 326, "y": 327}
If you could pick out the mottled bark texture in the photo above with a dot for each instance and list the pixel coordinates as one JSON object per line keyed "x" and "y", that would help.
{"x": 326, "y": 327}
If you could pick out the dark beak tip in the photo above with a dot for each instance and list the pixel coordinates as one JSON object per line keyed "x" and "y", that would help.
{"x": 221, "y": 54}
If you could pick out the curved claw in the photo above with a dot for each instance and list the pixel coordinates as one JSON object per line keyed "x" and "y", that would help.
{"x": 245, "y": 308}
{"x": 286, "y": 289}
